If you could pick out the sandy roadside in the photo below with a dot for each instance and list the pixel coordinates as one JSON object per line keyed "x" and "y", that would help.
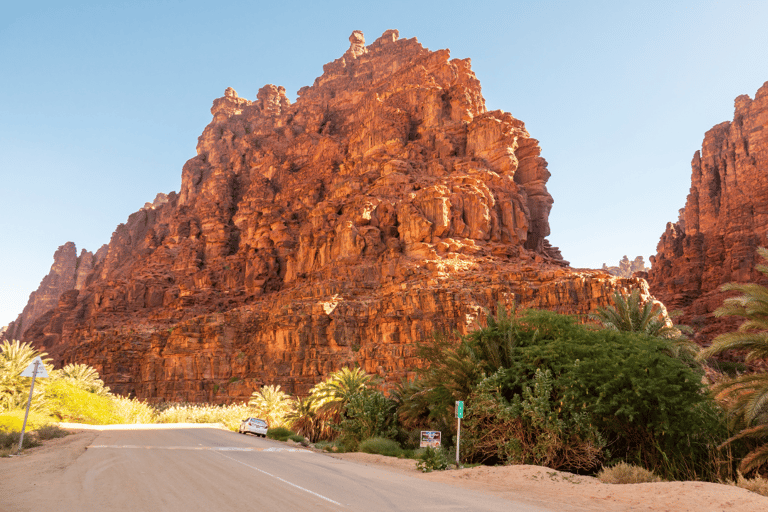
{"x": 533, "y": 484}
{"x": 567, "y": 492}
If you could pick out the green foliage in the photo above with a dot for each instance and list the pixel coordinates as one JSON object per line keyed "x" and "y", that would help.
{"x": 10, "y": 440}
{"x": 746, "y": 396}
{"x": 280, "y": 433}
{"x": 381, "y": 446}
{"x": 50, "y": 432}
{"x": 132, "y": 410}
{"x": 367, "y": 414}
{"x": 297, "y": 439}
{"x": 272, "y": 405}
{"x": 623, "y": 473}
{"x": 228, "y": 415}
{"x": 68, "y": 401}
{"x": 616, "y": 392}
{"x": 630, "y": 314}
{"x": 14, "y": 389}
{"x": 14, "y": 420}
{"x": 529, "y": 429}
{"x": 83, "y": 376}
{"x": 432, "y": 459}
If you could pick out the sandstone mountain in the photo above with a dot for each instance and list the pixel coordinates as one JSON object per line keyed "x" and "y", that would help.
{"x": 724, "y": 220}
{"x": 68, "y": 272}
{"x": 385, "y": 204}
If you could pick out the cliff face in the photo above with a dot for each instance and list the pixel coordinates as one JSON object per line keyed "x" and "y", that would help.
{"x": 68, "y": 272}
{"x": 386, "y": 204}
{"x": 724, "y": 220}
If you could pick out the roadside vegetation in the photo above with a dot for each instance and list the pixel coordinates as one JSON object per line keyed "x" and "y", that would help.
{"x": 625, "y": 397}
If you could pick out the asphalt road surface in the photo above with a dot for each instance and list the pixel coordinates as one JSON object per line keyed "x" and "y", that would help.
{"x": 215, "y": 470}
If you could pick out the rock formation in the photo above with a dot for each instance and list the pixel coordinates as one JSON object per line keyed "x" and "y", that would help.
{"x": 68, "y": 272}
{"x": 724, "y": 220}
{"x": 383, "y": 205}
{"x": 627, "y": 268}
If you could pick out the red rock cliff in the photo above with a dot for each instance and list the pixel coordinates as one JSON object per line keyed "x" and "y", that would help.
{"x": 385, "y": 204}
{"x": 724, "y": 220}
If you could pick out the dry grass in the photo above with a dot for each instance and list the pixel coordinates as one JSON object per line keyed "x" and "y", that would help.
{"x": 623, "y": 473}
{"x": 758, "y": 484}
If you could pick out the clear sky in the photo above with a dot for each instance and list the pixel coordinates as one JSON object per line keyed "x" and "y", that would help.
{"x": 101, "y": 102}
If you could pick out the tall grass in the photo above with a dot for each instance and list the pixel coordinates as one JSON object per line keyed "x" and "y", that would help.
{"x": 228, "y": 415}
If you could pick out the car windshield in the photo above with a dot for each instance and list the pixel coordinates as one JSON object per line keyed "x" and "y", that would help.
{"x": 258, "y": 421}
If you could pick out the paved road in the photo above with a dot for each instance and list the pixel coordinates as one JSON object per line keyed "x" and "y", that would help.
{"x": 215, "y": 470}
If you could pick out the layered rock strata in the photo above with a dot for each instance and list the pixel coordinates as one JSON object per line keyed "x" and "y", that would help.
{"x": 385, "y": 204}
{"x": 724, "y": 220}
{"x": 68, "y": 272}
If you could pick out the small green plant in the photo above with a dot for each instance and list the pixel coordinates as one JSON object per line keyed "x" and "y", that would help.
{"x": 50, "y": 432}
{"x": 280, "y": 433}
{"x": 381, "y": 446}
{"x": 10, "y": 440}
{"x": 296, "y": 438}
{"x": 432, "y": 460}
{"x": 623, "y": 473}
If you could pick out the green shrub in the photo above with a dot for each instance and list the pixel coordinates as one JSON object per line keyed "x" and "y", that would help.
{"x": 432, "y": 460}
{"x": 298, "y": 439}
{"x": 367, "y": 414}
{"x": 69, "y": 402}
{"x": 280, "y": 433}
{"x": 14, "y": 420}
{"x": 50, "y": 432}
{"x": 620, "y": 394}
{"x": 381, "y": 446}
{"x": 623, "y": 473}
{"x": 10, "y": 440}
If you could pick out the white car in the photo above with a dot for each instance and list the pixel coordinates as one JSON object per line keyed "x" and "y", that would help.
{"x": 253, "y": 425}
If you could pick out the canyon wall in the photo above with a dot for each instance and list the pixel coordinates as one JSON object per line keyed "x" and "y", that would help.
{"x": 724, "y": 220}
{"x": 385, "y": 204}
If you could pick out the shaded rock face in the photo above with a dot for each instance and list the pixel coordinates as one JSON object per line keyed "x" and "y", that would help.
{"x": 68, "y": 272}
{"x": 724, "y": 220}
{"x": 385, "y": 204}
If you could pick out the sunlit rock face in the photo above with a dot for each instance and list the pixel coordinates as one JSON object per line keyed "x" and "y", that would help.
{"x": 384, "y": 205}
{"x": 724, "y": 220}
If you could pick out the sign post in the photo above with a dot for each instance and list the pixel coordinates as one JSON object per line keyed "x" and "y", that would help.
{"x": 459, "y": 415}
{"x": 35, "y": 368}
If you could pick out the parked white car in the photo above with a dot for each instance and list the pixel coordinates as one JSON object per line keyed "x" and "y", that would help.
{"x": 255, "y": 426}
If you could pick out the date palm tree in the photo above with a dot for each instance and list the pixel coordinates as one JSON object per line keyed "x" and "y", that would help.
{"x": 746, "y": 396}
{"x": 84, "y": 376}
{"x": 15, "y": 356}
{"x": 272, "y": 404}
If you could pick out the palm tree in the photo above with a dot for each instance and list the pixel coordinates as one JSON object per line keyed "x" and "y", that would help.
{"x": 272, "y": 403}
{"x": 630, "y": 314}
{"x": 84, "y": 376}
{"x": 336, "y": 390}
{"x": 306, "y": 420}
{"x": 14, "y": 359}
{"x": 746, "y": 396}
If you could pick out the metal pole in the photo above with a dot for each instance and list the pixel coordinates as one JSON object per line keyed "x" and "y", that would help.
{"x": 29, "y": 401}
{"x": 458, "y": 440}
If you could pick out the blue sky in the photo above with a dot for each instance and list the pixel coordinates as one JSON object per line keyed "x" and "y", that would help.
{"x": 101, "y": 102}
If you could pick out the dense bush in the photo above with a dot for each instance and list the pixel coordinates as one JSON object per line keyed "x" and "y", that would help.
{"x": 367, "y": 414}
{"x": 542, "y": 388}
{"x": 280, "y": 433}
{"x": 68, "y": 402}
{"x": 381, "y": 446}
{"x": 432, "y": 459}
{"x": 50, "y": 432}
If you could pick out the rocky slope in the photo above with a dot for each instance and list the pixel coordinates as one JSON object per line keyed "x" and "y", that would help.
{"x": 68, "y": 272}
{"x": 627, "y": 268}
{"x": 724, "y": 220}
{"x": 385, "y": 204}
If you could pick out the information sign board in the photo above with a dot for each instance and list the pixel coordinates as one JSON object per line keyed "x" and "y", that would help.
{"x": 430, "y": 438}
